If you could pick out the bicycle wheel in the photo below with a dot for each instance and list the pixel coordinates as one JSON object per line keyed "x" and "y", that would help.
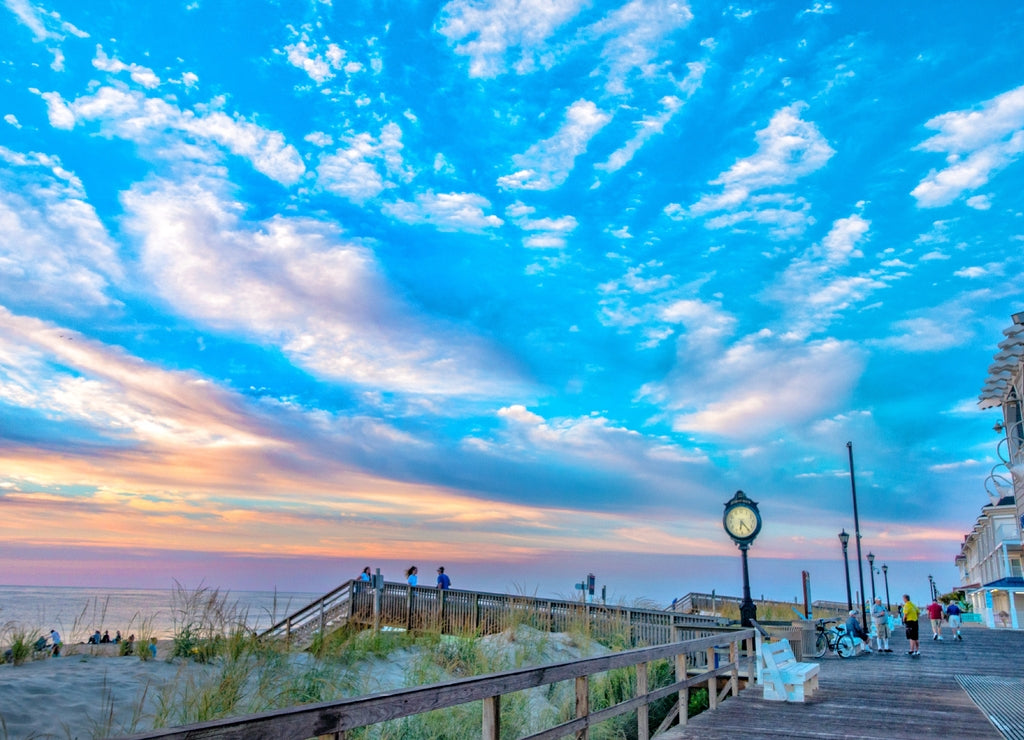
{"x": 845, "y": 647}
{"x": 820, "y": 645}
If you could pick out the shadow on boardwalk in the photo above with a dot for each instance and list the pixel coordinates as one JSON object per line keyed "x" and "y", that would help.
{"x": 888, "y": 695}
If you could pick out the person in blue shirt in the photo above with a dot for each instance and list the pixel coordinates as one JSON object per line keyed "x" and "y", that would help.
{"x": 953, "y": 613}
{"x": 410, "y": 575}
{"x": 853, "y": 629}
{"x": 443, "y": 581}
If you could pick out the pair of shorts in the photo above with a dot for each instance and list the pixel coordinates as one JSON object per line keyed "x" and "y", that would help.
{"x": 911, "y": 629}
{"x": 954, "y": 621}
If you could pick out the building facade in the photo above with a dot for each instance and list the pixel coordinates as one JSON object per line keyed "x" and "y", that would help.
{"x": 991, "y": 555}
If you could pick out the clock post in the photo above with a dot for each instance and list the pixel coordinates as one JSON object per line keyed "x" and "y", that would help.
{"x": 742, "y": 521}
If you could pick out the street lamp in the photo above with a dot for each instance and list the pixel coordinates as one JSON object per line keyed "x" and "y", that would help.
{"x": 856, "y": 532}
{"x": 844, "y": 538}
{"x": 931, "y": 584}
{"x": 885, "y": 574}
{"x": 871, "y": 567}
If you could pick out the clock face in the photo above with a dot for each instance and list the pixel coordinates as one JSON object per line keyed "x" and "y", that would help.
{"x": 741, "y": 522}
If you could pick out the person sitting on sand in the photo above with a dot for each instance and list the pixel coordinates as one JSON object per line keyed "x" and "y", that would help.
{"x": 40, "y": 644}
{"x": 94, "y": 638}
{"x": 106, "y": 637}
{"x": 117, "y": 637}
{"x": 152, "y": 646}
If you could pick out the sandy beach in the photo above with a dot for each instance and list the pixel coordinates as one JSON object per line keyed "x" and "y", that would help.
{"x": 93, "y": 692}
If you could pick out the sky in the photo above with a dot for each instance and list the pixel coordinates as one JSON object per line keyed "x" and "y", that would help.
{"x": 527, "y": 288}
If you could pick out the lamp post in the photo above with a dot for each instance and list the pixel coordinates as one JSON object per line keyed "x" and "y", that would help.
{"x": 871, "y": 567}
{"x": 885, "y": 574}
{"x": 931, "y": 586}
{"x": 856, "y": 533}
{"x": 844, "y": 539}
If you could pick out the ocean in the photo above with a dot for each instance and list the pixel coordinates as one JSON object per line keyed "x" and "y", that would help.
{"x": 78, "y": 612}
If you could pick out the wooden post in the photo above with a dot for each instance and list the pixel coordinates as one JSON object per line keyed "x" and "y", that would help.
{"x": 583, "y": 704}
{"x": 408, "y": 609}
{"x": 734, "y": 659}
{"x": 684, "y": 693}
{"x": 492, "y": 718}
{"x": 643, "y": 729}
{"x": 713, "y": 681}
{"x": 476, "y": 614}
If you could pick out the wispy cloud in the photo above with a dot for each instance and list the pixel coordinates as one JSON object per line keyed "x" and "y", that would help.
{"x": 788, "y": 148}
{"x": 635, "y": 33}
{"x": 143, "y": 76}
{"x": 295, "y": 283}
{"x": 542, "y": 233}
{"x": 54, "y": 250}
{"x": 130, "y": 115}
{"x": 357, "y": 172}
{"x": 446, "y": 211}
{"x": 484, "y": 32}
{"x": 547, "y": 164}
{"x": 977, "y": 143}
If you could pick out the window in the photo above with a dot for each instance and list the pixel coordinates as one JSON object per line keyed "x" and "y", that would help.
{"x": 1015, "y": 568}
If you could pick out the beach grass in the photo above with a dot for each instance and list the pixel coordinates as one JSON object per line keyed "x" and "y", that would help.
{"x": 214, "y": 667}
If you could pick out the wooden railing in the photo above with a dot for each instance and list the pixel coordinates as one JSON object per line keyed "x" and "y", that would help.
{"x": 701, "y": 661}
{"x": 453, "y": 611}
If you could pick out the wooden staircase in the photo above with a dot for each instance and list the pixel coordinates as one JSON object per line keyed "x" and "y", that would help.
{"x": 453, "y": 611}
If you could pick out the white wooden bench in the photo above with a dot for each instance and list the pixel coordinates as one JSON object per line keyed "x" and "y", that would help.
{"x": 783, "y": 678}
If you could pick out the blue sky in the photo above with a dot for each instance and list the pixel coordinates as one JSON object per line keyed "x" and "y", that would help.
{"x": 526, "y": 288}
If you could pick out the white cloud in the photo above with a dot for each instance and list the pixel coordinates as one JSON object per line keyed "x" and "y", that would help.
{"x": 593, "y": 440}
{"x": 788, "y": 148}
{"x": 54, "y": 250}
{"x": 756, "y": 385}
{"x": 141, "y": 75}
{"x": 295, "y": 284}
{"x": 129, "y": 114}
{"x": 320, "y": 67}
{"x": 636, "y": 32}
{"x": 980, "y": 202}
{"x": 543, "y": 233}
{"x": 484, "y": 31}
{"x": 352, "y": 172}
{"x": 547, "y": 164}
{"x": 446, "y": 211}
{"x": 319, "y": 138}
{"x": 815, "y": 287}
{"x": 12, "y": 119}
{"x": 46, "y": 27}
{"x": 648, "y": 127}
{"x": 977, "y": 143}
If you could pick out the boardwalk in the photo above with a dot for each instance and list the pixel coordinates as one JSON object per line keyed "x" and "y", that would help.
{"x": 890, "y": 695}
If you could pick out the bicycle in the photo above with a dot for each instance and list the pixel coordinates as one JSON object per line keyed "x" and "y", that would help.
{"x": 833, "y": 638}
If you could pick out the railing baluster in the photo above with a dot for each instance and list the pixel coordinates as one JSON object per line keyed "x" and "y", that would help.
{"x": 492, "y": 718}
{"x": 643, "y": 730}
{"x": 583, "y": 704}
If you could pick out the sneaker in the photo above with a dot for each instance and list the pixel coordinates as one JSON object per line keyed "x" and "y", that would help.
{"x": 935, "y": 637}
{"x": 941, "y": 637}
{"x": 910, "y": 652}
{"x": 916, "y": 653}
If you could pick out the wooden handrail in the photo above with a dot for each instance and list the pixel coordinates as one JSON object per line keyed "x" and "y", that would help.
{"x": 457, "y": 611}
{"x": 333, "y": 719}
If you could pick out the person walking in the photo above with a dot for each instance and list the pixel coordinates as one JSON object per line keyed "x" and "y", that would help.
{"x": 953, "y": 613}
{"x": 443, "y": 581}
{"x": 935, "y": 617}
{"x": 910, "y": 624}
{"x": 880, "y": 616}
{"x": 410, "y": 575}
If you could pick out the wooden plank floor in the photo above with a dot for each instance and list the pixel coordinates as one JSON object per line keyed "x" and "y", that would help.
{"x": 878, "y": 696}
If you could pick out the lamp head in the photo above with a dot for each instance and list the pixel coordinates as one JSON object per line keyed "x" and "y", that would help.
{"x": 844, "y": 537}
{"x": 871, "y": 558}
{"x": 885, "y": 568}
